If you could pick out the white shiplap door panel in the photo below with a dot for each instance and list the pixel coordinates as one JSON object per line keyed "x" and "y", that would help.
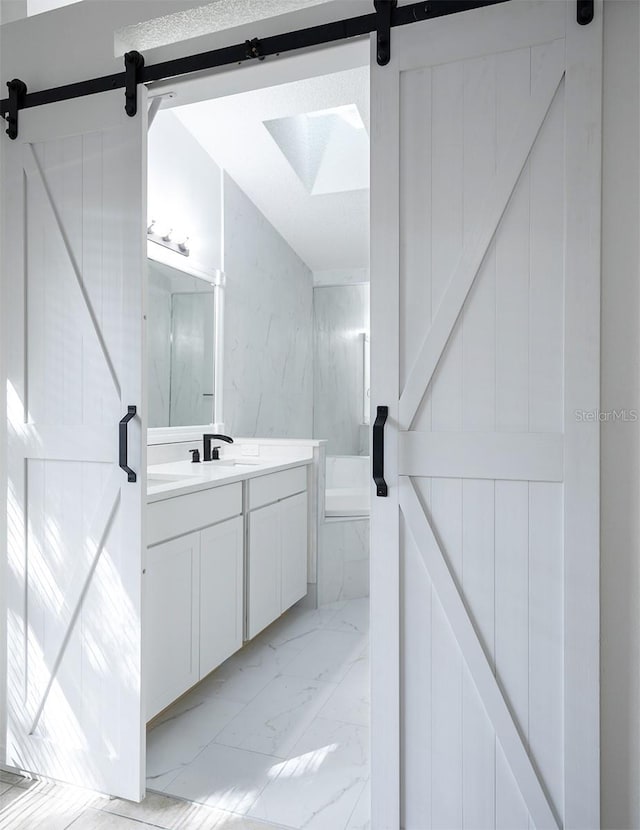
{"x": 74, "y": 184}
{"x": 519, "y": 456}
{"x": 485, "y": 320}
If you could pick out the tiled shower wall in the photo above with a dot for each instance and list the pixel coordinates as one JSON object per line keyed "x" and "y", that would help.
{"x": 341, "y": 315}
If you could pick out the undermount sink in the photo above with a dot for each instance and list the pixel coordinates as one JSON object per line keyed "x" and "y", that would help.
{"x": 166, "y": 478}
{"x": 234, "y": 462}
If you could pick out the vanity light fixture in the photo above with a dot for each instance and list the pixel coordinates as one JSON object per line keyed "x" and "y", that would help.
{"x": 165, "y": 236}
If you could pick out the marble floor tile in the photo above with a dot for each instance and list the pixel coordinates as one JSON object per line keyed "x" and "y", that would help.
{"x": 353, "y": 616}
{"x": 277, "y": 716}
{"x": 297, "y": 624}
{"x": 224, "y": 777}
{"x": 351, "y": 700}
{"x": 318, "y": 787}
{"x": 247, "y": 672}
{"x": 328, "y": 655}
{"x": 175, "y": 740}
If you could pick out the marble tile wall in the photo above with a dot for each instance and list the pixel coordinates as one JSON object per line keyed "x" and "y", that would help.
{"x": 268, "y": 362}
{"x": 343, "y": 560}
{"x": 341, "y": 314}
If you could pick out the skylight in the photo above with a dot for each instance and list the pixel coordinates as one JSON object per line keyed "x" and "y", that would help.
{"x": 328, "y": 149}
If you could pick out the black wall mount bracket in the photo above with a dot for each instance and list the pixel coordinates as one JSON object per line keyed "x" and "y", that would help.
{"x": 17, "y": 92}
{"x": 133, "y": 66}
{"x": 584, "y": 12}
{"x": 384, "y": 10}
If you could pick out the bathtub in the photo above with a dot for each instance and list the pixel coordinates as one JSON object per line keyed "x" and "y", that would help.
{"x": 347, "y": 490}
{"x": 343, "y": 538}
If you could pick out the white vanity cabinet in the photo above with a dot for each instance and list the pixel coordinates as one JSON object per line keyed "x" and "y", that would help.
{"x": 223, "y": 561}
{"x": 194, "y": 590}
{"x": 294, "y": 521}
{"x": 263, "y": 569}
{"x": 171, "y": 618}
{"x": 221, "y": 591}
{"x": 277, "y": 546}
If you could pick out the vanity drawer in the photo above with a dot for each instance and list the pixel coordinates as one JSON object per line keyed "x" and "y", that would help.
{"x": 176, "y": 516}
{"x": 270, "y": 488}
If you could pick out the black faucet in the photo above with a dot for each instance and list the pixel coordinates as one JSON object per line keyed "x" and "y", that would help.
{"x": 207, "y": 438}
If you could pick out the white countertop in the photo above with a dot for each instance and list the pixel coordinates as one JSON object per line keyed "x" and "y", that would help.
{"x": 181, "y": 477}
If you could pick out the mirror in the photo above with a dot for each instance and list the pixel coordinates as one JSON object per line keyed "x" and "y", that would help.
{"x": 180, "y": 347}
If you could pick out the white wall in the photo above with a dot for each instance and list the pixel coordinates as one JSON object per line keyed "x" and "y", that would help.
{"x": 185, "y": 191}
{"x": 620, "y": 490}
{"x": 268, "y": 355}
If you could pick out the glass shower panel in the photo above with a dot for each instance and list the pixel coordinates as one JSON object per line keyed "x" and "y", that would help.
{"x": 191, "y": 398}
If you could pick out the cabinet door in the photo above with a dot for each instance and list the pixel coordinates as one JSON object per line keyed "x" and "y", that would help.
{"x": 171, "y": 620}
{"x": 221, "y": 593}
{"x": 294, "y": 544}
{"x": 264, "y": 568}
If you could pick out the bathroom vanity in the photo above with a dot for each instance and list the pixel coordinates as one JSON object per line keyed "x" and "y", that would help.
{"x": 227, "y": 555}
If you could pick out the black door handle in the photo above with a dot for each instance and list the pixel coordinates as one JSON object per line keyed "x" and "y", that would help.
{"x": 378, "y": 451}
{"x": 124, "y": 443}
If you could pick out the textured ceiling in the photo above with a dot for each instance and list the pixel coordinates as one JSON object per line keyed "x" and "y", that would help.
{"x": 310, "y": 182}
{"x": 203, "y": 20}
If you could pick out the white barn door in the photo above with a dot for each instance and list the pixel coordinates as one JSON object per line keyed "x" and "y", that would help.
{"x": 485, "y": 347}
{"x": 74, "y": 260}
